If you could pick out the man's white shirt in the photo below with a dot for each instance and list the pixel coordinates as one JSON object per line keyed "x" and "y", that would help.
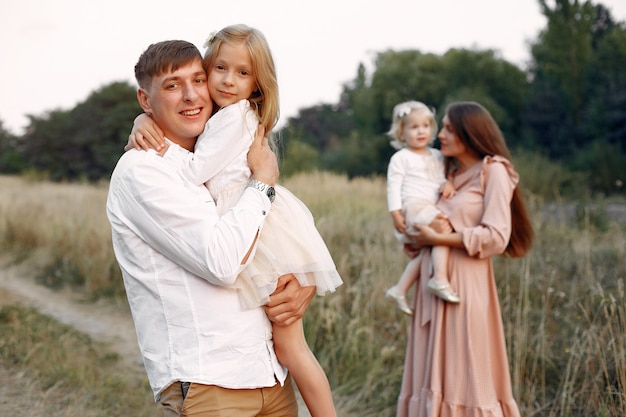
{"x": 176, "y": 257}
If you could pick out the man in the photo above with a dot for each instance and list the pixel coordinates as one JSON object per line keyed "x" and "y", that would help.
{"x": 177, "y": 256}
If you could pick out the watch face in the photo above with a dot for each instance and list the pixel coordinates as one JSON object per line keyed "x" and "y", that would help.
{"x": 271, "y": 194}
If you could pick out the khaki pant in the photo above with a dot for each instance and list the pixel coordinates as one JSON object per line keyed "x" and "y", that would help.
{"x": 214, "y": 401}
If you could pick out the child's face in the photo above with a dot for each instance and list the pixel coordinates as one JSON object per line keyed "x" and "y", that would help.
{"x": 416, "y": 130}
{"x": 231, "y": 78}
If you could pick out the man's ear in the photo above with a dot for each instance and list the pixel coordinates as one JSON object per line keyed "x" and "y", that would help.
{"x": 144, "y": 100}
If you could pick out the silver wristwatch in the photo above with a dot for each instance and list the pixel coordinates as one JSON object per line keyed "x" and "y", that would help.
{"x": 264, "y": 188}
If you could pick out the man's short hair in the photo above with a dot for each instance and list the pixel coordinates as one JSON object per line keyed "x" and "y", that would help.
{"x": 162, "y": 57}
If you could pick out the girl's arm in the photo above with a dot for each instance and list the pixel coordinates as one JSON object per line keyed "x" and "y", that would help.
{"x": 395, "y": 177}
{"x": 145, "y": 135}
{"x": 227, "y": 136}
{"x": 399, "y": 222}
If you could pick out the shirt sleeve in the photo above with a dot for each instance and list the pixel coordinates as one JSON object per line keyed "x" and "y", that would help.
{"x": 492, "y": 235}
{"x": 395, "y": 176}
{"x": 148, "y": 199}
{"x": 227, "y": 134}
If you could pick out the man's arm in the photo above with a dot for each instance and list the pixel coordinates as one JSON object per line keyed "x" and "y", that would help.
{"x": 147, "y": 197}
{"x": 289, "y": 301}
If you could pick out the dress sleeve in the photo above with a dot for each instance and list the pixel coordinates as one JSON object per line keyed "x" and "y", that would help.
{"x": 395, "y": 176}
{"x": 491, "y": 236}
{"x": 227, "y": 134}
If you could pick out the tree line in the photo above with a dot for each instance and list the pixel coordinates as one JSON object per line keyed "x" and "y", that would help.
{"x": 569, "y": 105}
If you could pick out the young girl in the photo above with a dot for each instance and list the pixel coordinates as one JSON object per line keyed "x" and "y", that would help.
{"x": 242, "y": 83}
{"x": 415, "y": 179}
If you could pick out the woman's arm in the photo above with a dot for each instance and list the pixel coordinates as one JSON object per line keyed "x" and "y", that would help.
{"x": 427, "y": 236}
{"x": 491, "y": 235}
{"x": 438, "y": 233}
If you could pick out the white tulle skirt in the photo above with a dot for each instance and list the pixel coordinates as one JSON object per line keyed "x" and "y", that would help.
{"x": 289, "y": 243}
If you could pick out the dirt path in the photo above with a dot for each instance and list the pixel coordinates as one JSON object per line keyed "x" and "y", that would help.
{"x": 103, "y": 321}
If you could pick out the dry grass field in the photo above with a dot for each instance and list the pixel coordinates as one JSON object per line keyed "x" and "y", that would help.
{"x": 563, "y": 306}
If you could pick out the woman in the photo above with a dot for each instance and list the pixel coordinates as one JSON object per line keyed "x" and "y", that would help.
{"x": 456, "y": 362}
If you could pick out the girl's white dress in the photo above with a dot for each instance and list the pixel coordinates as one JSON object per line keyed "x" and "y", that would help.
{"x": 289, "y": 241}
{"x": 413, "y": 183}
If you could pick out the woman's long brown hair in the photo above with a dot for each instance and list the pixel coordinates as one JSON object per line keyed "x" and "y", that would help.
{"x": 475, "y": 127}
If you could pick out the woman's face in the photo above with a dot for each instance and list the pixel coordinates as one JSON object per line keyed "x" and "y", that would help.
{"x": 451, "y": 145}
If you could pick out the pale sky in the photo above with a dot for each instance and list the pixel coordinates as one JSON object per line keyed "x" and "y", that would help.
{"x": 56, "y": 52}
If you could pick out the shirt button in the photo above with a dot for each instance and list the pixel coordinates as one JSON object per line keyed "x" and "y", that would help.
{"x": 263, "y": 212}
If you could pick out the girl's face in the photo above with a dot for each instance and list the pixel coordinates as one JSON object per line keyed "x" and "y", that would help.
{"x": 231, "y": 78}
{"x": 416, "y": 130}
{"x": 451, "y": 145}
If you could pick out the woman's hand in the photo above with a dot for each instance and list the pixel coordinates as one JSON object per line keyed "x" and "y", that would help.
{"x": 410, "y": 250}
{"x": 441, "y": 224}
{"x": 423, "y": 236}
{"x": 438, "y": 233}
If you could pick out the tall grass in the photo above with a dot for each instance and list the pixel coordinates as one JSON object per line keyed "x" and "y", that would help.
{"x": 563, "y": 306}
{"x": 70, "y": 221}
{"x": 67, "y": 373}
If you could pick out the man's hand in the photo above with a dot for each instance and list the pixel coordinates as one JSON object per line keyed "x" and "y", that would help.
{"x": 262, "y": 160}
{"x": 289, "y": 301}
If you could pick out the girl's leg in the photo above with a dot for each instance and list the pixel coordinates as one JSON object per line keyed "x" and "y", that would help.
{"x": 439, "y": 283}
{"x": 294, "y": 353}
{"x": 409, "y": 276}
{"x": 439, "y": 256}
{"x": 398, "y": 292}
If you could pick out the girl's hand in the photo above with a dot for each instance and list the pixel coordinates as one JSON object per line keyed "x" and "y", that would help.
{"x": 145, "y": 135}
{"x": 447, "y": 190}
{"x": 398, "y": 221}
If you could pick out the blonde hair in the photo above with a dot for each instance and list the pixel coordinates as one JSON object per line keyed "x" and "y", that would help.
{"x": 265, "y": 100}
{"x": 400, "y": 111}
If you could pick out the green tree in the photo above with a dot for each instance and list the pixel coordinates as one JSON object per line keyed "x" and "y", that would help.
{"x": 577, "y": 71}
{"x": 605, "y": 113}
{"x": 11, "y": 160}
{"x": 485, "y": 77}
{"x": 401, "y": 76}
{"x": 85, "y": 142}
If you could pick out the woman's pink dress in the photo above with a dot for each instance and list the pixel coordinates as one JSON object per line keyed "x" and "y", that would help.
{"x": 456, "y": 362}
